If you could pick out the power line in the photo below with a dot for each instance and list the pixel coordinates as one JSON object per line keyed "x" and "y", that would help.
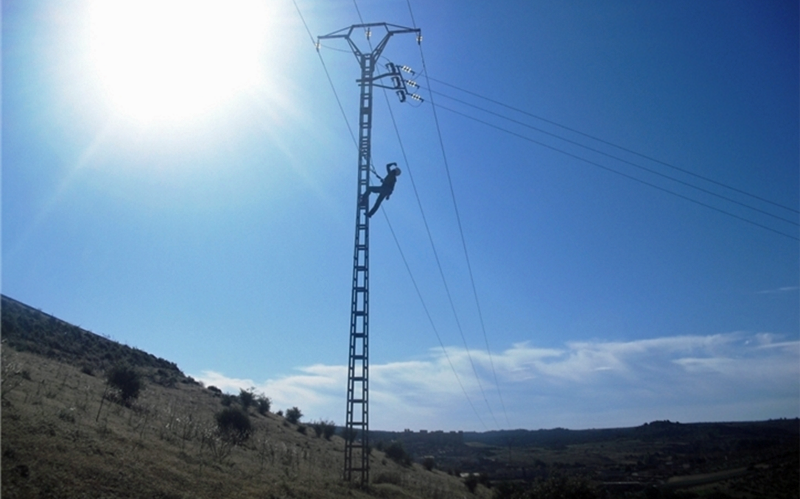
{"x": 344, "y": 115}
{"x": 327, "y": 74}
{"x": 358, "y": 11}
{"x": 650, "y": 170}
{"x": 594, "y": 163}
{"x": 441, "y": 271}
{"x": 411, "y": 13}
{"x": 438, "y": 262}
{"x": 433, "y": 246}
{"x": 330, "y": 80}
{"x": 463, "y": 242}
{"x": 430, "y": 319}
{"x": 631, "y": 151}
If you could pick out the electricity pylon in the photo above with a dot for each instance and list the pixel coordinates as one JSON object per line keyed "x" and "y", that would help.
{"x": 356, "y": 450}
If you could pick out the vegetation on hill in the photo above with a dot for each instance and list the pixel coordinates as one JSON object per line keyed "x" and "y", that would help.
{"x": 26, "y": 329}
{"x": 160, "y": 434}
{"x": 83, "y": 416}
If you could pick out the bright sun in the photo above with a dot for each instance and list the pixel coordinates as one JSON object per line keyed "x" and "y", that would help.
{"x": 175, "y": 60}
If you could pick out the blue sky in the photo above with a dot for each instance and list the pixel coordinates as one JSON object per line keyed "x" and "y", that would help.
{"x": 184, "y": 181}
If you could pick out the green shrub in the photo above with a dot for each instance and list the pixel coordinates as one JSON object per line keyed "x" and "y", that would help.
{"x": 389, "y": 477}
{"x": 329, "y": 429}
{"x": 126, "y": 380}
{"x": 246, "y": 398}
{"x": 429, "y": 463}
{"x": 234, "y": 425}
{"x": 397, "y": 453}
{"x": 324, "y": 428}
{"x": 66, "y": 415}
{"x": 293, "y": 415}
{"x": 263, "y": 404}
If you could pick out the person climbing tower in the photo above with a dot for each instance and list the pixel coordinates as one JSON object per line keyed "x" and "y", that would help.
{"x": 384, "y": 190}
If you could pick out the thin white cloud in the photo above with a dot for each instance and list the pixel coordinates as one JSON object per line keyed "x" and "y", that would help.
{"x": 784, "y": 289}
{"x": 583, "y": 384}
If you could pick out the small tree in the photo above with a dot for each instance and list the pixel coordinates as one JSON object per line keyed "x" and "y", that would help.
{"x": 397, "y": 453}
{"x": 263, "y": 404}
{"x": 429, "y": 463}
{"x": 328, "y": 429}
{"x": 246, "y": 398}
{"x": 234, "y": 425}
{"x": 324, "y": 428}
{"x": 293, "y": 415}
{"x": 127, "y": 381}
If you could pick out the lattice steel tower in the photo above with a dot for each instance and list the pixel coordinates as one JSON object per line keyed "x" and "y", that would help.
{"x": 356, "y": 454}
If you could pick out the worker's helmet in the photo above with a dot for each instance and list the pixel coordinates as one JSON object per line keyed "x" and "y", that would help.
{"x": 397, "y": 171}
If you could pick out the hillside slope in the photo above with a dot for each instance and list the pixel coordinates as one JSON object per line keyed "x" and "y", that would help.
{"x": 63, "y": 435}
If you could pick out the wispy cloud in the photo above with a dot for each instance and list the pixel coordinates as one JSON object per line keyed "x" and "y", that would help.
{"x": 730, "y": 376}
{"x": 784, "y": 289}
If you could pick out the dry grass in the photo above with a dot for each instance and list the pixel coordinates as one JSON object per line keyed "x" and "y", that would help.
{"x": 58, "y": 441}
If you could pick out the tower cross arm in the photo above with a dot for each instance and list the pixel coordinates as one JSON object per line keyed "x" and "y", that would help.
{"x": 391, "y": 29}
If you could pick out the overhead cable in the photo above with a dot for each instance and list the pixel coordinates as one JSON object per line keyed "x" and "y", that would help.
{"x": 621, "y": 160}
{"x": 631, "y": 177}
{"x": 463, "y": 240}
{"x": 441, "y": 272}
{"x": 430, "y": 320}
{"x": 628, "y": 150}
{"x": 328, "y": 75}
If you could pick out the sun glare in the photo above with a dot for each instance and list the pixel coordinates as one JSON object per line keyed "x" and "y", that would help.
{"x": 175, "y": 60}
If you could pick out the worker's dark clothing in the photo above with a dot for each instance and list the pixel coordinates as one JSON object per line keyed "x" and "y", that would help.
{"x": 384, "y": 190}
